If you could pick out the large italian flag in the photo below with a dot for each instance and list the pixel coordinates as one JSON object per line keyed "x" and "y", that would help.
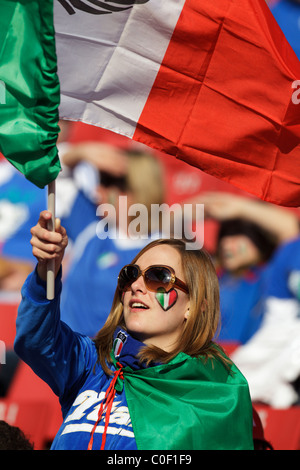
{"x": 210, "y": 82}
{"x": 213, "y": 83}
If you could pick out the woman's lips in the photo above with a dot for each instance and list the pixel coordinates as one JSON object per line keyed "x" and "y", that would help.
{"x": 137, "y": 304}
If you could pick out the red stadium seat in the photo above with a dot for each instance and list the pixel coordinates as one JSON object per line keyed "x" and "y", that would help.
{"x": 281, "y": 426}
{"x": 27, "y": 386}
{"x": 8, "y": 315}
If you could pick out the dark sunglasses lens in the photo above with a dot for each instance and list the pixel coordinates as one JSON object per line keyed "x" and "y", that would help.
{"x": 127, "y": 276}
{"x": 157, "y": 277}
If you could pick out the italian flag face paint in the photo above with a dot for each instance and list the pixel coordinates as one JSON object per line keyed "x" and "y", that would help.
{"x": 166, "y": 299}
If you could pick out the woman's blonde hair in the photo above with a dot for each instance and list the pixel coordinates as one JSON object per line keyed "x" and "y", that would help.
{"x": 202, "y": 324}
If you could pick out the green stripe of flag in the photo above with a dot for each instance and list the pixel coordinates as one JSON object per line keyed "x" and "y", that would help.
{"x": 30, "y": 92}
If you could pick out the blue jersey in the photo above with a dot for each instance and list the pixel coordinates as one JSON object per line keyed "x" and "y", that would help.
{"x": 242, "y": 304}
{"x": 67, "y": 361}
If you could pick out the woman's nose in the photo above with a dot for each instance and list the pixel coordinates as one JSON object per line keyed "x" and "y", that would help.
{"x": 139, "y": 285}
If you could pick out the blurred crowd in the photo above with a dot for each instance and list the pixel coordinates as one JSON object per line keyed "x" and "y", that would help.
{"x": 255, "y": 245}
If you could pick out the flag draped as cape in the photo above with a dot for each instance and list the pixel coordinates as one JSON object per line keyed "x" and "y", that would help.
{"x": 189, "y": 404}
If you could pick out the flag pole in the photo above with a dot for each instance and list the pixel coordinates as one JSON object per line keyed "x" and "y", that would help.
{"x": 51, "y": 226}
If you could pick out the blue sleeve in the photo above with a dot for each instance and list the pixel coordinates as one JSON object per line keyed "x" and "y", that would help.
{"x": 59, "y": 356}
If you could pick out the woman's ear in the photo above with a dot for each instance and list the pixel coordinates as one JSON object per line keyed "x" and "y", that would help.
{"x": 187, "y": 313}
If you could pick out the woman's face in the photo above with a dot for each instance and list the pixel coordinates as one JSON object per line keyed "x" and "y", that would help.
{"x": 145, "y": 315}
{"x": 238, "y": 252}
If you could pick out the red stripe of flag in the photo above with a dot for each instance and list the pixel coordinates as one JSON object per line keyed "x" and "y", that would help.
{"x": 222, "y": 100}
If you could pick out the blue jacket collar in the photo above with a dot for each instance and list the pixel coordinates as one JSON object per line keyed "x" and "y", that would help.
{"x": 126, "y": 349}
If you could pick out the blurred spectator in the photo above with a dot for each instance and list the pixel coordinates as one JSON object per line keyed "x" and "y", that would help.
{"x": 250, "y": 230}
{"x": 13, "y": 438}
{"x": 93, "y": 262}
{"x": 270, "y": 360}
{"x": 78, "y": 189}
{"x": 243, "y": 251}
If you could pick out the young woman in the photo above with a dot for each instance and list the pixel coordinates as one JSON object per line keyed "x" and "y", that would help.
{"x": 153, "y": 378}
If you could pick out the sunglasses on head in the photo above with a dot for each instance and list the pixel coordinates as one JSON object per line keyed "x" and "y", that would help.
{"x": 155, "y": 277}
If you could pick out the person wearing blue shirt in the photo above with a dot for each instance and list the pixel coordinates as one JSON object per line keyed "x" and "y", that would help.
{"x": 270, "y": 359}
{"x": 249, "y": 232}
{"x": 244, "y": 250}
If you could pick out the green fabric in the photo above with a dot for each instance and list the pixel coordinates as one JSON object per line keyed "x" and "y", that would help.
{"x": 30, "y": 92}
{"x": 189, "y": 404}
